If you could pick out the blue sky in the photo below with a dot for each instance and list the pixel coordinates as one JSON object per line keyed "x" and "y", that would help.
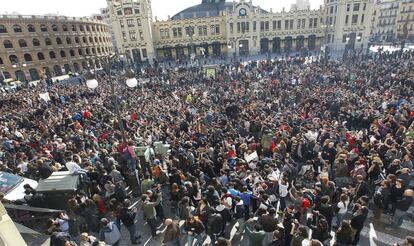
{"x": 78, "y": 8}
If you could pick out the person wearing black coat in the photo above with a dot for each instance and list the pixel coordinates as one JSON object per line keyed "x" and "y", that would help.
{"x": 361, "y": 188}
{"x": 357, "y": 221}
{"x": 326, "y": 210}
{"x": 127, "y": 216}
{"x": 381, "y": 199}
{"x": 344, "y": 234}
{"x": 215, "y": 224}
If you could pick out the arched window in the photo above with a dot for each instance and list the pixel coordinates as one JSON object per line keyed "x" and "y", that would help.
{"x": 90, "y": 40}
{"x": 81, "y": 28}
{"x": 68, "y": 40}
{"x": 13, "y": 59}
{"x": 100, "y": 39}
{"x": 73, "y": 28}
{"x": 43, "y": 28}
{"x": 72, "y": 53}
{"x": 80, "y": 52}
{"x": 36, "y": 42}
{"x": 48, "y": 41}
{"x": 64, "y": 28}
{"x": 52, "y": 55}
{"x": 22, "y": 43}
{"x": 88, "y": 52}
{"x": 99, "y": 50}
{"x": 40, "y": 56}
{"x": 28, "y": 57}
{"x": 93, "y": 28}
{"x": 77, "y": 40}
{"x": 7, "y": 44}
{"x": 96, "y": 40}
{"x": 88, "y": 28}
{"x": 3, "y": 29}
{"x": 31, "y": 28}
{"x": 62, "y": 53}
{"x": 17, "y": 28}
{"x": 84, "y": 40}
{"x": 93, "y": 50}
{"x": 58, "y": 41}
{"x": 54, "y": 28}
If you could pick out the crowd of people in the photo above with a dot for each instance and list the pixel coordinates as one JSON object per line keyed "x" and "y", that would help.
{"x": 282, "y": 151}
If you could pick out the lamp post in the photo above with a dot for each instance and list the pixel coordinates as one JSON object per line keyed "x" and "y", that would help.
{"x": 190, "y": 34}
{"x": 2, "y": 76}
{"x": 326, "y": 26}
{"x": 19, "y": 66}
{"x": 112, "y": 77}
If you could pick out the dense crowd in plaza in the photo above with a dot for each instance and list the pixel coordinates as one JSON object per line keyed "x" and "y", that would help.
{"x": 284, "y": 151}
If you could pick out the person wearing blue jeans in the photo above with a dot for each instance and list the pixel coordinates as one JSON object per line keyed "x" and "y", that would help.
{"x": 194, "y": 229}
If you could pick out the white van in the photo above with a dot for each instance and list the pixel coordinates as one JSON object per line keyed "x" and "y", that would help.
{"x": 12, "y": 185}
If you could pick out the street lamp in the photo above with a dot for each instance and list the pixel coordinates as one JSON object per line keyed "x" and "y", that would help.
{"x": 19, "y": 66}
{"x": 326, "y": 26}
{"x": 109, "y": 75}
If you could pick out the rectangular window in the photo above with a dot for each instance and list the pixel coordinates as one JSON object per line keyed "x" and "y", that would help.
{"x": 218, "y": 29}
{"x": 205, "y": 30}
{"x": 130, "y": 23}
{"x": 331, "y": 9}
{"x": 354, "y": 19}
{"x": 291, "y": 24}
{"x": 279, "y": 25}
{"x": 124, "y": 36}
{"x": 254, "y": 26}
{"x": 132, "y": 35}
{"x": 213, "y": 30}
{"x": 298, "y": 24}
{"x": 162, "y": 35}
{"x": 346, "y": 20}
{"x": 348, "y": 7}
{"x": 362, "y": 18}
{"x": 180, "y": 32}
{"x": 175, "y": 33}
{"x": 119, "y": 12}
{"x": 243, "y": 27}
{"x": 274, "y": 25}
{"x": 136, "y": 11}
{"x": 141, "y": 35}
{"x": 247, "y": 26}
{"x": 139, "y": 22}
{"x": 310, "y": 22}
{"x": 144, "y": 53}
{"x": 238, "y": 27}
{"x": 303, "y": 23}
{"x": 231, "y": 28}
{"x": 267, "y": 26}
{"x": 286, "y": 24}
{"x": 356, "y": 7}
{"x": 262, "y": 26}
{"x": 364, "y": 7}
{"x": 315, "y": 22}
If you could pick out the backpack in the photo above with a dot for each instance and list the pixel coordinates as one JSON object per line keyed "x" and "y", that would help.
{"x": 112, "y": 236}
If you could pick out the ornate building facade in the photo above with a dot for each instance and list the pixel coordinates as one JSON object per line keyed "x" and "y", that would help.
{"x": 216, "y": 28}
{"x": 35, "y": 46}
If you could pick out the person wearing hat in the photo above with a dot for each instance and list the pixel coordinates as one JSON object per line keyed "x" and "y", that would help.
{"x": 109, "y": 233}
